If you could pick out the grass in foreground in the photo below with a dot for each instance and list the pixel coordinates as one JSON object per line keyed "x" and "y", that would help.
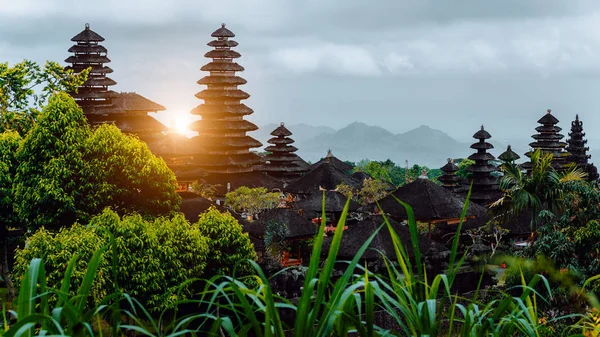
{"x": 418, "y": 304}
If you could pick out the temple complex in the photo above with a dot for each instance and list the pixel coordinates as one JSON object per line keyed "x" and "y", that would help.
{"x": 449, "y": 179}
{"x": 282, "y": 162}
{"x": 127, "y": 110}
{"x": 576, "y": 146}
{"x": 485, "y": 186}
{"x": 509, "y": 156}
{"x": 548, "y": 141}
{"x": 222, "y": 146}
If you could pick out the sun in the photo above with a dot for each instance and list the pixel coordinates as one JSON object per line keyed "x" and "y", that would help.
{"x": 180, "y": 123}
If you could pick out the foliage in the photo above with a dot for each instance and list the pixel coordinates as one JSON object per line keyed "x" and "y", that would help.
{"x": 204, "y": 190}
{"x": 153, "y": 258}
{"x": 127, "y": 176}
{"x": 388, "y": 171}
{"x": 19, "y": 102}
{"x": 251, "y": 200}
{"x": 463, "y": 164}
{"x": 417, "y": 305}
{"x": 275, "y": 235}
{"x": 229, "y": 246}
{"x": 9, "y": 143}
{"x": 542, "y": 189}
{"x": 57, "y": 249}
{"x": 371, "y": 191}
{"x": 68, "y": 173}
{"x": 52, "y": 184}
{"x": 571, "y": 239}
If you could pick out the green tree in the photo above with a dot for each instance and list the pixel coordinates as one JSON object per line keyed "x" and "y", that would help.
{"x": 463, "y": 164}
{"x": 154, "y": 257}
{"x": 275, "y": 238}
{"x": 542, "y": 189}
{"x": 127, "y": 176}
{"x": 229, "y": 246}
{"x": 251, "y": 200}
{"x": 68, "y": 172}
{"x": 57, "y": 249}
{"x": 372, "y": 190}
{"x": 53, "y": 181}
{"x": 25, "y": 88}
{"x": 9, "y": 143}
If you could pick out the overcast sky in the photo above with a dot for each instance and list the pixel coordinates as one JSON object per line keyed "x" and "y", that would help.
{"x": 452, "y": 65}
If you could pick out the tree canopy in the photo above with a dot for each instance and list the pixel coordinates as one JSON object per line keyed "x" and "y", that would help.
{"x": 68, "y": 172}
{"x": 25, "y": 88}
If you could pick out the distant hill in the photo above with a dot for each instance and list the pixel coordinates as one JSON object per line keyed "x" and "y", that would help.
{"x": 423, "y": 145}
{"x": 301, "y": 132}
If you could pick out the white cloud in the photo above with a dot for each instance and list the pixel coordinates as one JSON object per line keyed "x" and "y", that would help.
{"x": 327, "y": 57}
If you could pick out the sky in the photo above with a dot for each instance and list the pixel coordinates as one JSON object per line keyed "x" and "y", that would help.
{"x": 449, "y": 64}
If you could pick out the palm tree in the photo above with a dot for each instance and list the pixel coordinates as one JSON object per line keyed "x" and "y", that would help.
{"x": 539, "y": 190}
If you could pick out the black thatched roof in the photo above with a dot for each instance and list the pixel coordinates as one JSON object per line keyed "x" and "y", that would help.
{"x": 282, "y": 131}
{"x": 87, "y": 35}
{"x": 236, "y": 180}
{"x": 482, "y": 134}
{"x": 428, "y": 200}
{"x": 222, "y": 32}
{"x": 192, "y": 206}
{"x": 131, "y": 101}
{"x": 360, "y": 176}
{"x": 548, "y": 118}
{"x": 325, "y": 176}
{"x": 331, "y": 159}
{"x": 509, "y": 155}
{"x": 297, "y": 225}
{"x": 334, "y": 202}
{"x": 357, "y": 233}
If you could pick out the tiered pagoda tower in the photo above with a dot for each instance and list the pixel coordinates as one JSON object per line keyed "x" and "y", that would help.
{"x": 93, "y": 96}
{"x": 282, "y": 162}
{"x": 222, "y": 145}
{"x": 127, "y": 110}
{"x": 449, "y": 179}
{"x": 485, "y": 185}
{"x": 578, "y": 151}
{"x": 548, "y": 140}
{"x": 509, "y": 156}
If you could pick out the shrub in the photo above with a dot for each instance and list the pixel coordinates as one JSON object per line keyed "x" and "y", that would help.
{"x": 154, "y": 257}
{"x": 228, "y": 244}
{"x": 57, "y": 249}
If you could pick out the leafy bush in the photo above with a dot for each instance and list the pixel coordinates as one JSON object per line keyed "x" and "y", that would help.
{"x": 67, "y": 173}
{"x": 415, "y": 303}
{"x": 57, "y": 249}
{"x": 251, "y": 200}
{"x": 227, "y": 243}
{"x": 154, "y": 258}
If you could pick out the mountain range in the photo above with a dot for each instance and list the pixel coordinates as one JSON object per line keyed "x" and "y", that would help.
{"x": 423, "y": 145}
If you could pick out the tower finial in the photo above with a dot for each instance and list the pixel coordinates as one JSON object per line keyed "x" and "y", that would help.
{"x": 548, "y": 111}
{"x": 222, "y": 25}
{"x": 508, "y": 148}
{"x": 482, "y": 127}
{"x": 282, "y": 124}
{"x": 87, "y": 26}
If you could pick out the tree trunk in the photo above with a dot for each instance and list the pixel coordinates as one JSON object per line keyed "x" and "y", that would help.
{"x": 5, "y": 270}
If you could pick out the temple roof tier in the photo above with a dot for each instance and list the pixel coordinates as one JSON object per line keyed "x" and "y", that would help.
{"x": 225, "y": 80}
{"x": 220, "y": 94}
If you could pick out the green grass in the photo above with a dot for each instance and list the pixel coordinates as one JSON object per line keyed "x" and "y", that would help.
{"x": 419, "y": 304}
{"x": 3, "y": 295}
